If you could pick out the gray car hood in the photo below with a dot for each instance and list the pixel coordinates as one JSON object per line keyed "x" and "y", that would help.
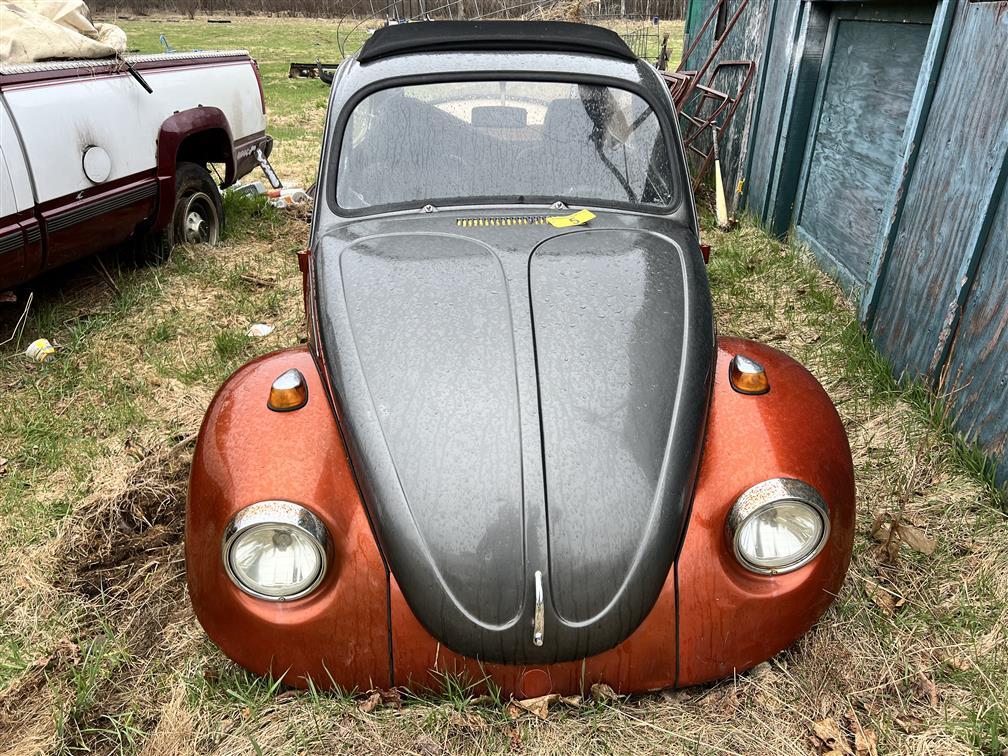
{"x": 521, "y": 399}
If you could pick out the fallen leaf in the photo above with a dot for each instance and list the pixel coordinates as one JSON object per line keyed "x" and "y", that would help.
{"x": 572, "y": 701}
{"x": 880, "y": 528}
{"x": 3, "y": 466}
{"x": 674, "y": 695}
{"x": 512, "y": 710}
{"x": 516, "y": 739}
{"x": 761, "y": 671}
{"x": 885, "y": 598}
{"x": 865, "y": 738}
{"x": 370, "y": 703}
{"x": 958, "y": 662}
{"x": 722, "y": 701}
{"x": 65, "y": 653}
{"x": 908, "y": 723}
{"x": 602, "y": 692}
{"x": 928, "y": 689}
{"x": 391, "y": 698}
{"x": 917, "y": 539}
{"x": 539, "y": 705}
{"x": 466, "y": 720}
{"x": 426, "y": 744}
{"x": 828, "y": 738}
{"x": 866, "y": 742}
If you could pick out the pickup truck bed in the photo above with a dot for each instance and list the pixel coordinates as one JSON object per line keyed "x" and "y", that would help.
{"x": 89, "y": 158}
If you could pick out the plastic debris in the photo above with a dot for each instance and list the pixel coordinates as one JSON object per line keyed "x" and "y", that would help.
{"x": 40, "y": 350}
{"x": 288, "y": 197}
{"x": 248, "y": 190}
{"x": 282, "y": 198}
{"x": 260, "y": 330}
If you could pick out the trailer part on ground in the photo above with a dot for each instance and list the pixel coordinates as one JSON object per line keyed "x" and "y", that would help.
{"x": 317, "y": 70}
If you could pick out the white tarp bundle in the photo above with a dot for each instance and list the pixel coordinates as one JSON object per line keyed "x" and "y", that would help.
{"x": 34, "y": 30}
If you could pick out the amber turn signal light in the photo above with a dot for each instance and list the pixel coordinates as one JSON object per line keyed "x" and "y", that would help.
{"x": 747, "y": 376}
{"x": 288, "y": 392}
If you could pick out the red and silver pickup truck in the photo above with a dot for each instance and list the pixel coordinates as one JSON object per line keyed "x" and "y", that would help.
{"x": 100, "y": 152}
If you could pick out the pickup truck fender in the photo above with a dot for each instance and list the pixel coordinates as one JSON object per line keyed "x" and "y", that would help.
{"x": 206, "y": 134}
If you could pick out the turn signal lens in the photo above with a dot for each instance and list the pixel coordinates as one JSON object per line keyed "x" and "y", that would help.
{"x": 747, "y": 376}
{"x": 288, "y": 392}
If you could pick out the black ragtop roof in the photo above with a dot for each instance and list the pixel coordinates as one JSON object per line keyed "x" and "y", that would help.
{"x": 499, "y": 36}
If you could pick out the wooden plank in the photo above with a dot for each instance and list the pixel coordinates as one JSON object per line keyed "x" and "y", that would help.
{"x": 962, "y": 149}
{"x": 775, "y": 80}
{"x": 861, "y": 112}
{"x": 799, "y": 102}
{"x": 920, "y": 108}
{"x": 977, "y": 378}
{"x": 759, "y": 89}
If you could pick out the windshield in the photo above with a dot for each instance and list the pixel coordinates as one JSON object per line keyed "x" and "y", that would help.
{"x": 503, "y": 141}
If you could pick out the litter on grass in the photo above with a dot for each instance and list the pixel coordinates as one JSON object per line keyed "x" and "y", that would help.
{"x": 40, "y": 350}
{"x": 260, "y": 330}
{"x": 281, "y": 198}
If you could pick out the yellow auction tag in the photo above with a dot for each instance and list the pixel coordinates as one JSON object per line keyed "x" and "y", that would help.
{"x": 575, "y": 219}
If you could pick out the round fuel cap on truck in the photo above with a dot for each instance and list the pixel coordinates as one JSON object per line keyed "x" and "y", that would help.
{"x": 97, "y": 164}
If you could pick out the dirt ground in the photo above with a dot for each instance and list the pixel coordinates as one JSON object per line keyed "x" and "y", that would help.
{"x": 100, "y": 651}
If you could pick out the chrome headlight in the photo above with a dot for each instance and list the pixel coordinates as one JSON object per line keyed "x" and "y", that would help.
{"x": 778, "y": 526}
{"x": 275, "y": 550}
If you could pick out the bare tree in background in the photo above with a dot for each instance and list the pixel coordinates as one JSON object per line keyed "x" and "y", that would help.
{"x": 639, "y": 9}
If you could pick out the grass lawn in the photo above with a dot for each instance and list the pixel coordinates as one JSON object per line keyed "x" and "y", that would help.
{"x": 100, "y": 651}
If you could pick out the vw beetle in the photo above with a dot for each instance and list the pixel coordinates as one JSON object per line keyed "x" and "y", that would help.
{"x": 513, "y": 448}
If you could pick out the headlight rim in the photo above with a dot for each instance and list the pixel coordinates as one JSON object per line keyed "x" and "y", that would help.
{"x": 764, "y": 495}
{"x": 276, "y": 512}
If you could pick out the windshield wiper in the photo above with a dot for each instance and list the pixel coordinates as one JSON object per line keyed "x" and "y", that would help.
{"x": 135, "y": 74}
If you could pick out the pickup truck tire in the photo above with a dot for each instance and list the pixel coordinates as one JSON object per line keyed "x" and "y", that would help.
{"x": 198, "y": 217}
{"x": 199, "y": 212}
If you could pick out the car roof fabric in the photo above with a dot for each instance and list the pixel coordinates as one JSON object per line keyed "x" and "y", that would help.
{"x": 507, "y": 36}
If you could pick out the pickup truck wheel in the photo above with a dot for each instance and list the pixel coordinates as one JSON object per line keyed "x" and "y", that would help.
{"x": 199, "y": 212}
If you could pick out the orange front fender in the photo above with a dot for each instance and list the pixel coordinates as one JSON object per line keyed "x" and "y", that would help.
{"x": 731, "y": 619}
{"x": 248, "y": 453}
